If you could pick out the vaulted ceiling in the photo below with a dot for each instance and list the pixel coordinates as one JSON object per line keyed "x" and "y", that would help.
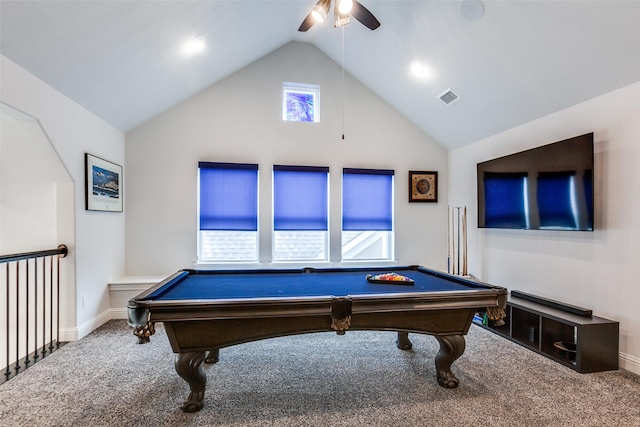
{"x": 521, "y": 60}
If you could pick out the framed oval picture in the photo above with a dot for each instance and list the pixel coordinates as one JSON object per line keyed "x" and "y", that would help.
{"x": 423, "y": 186}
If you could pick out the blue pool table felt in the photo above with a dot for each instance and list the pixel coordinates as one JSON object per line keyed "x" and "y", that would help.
{"x": 296, "y": 284}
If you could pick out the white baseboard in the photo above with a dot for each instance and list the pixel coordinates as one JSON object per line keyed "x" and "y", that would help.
{"x": 81, "y": 331}
{"x": 120, "y": 291}
{"x": 630, "y": 363}
{"x": 119, "y": 313}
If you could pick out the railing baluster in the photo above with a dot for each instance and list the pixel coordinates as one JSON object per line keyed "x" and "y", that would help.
{"x": 36, "y": 356}
{"x": 27, "y": 361}
{"x": 7, "y": 372}
{"x": 51, "y": 308}
{"x": 58, "y": 305}
{"x": 44, "y": 308}
{"x": 22, "y": 274}
{"x": 17, "y": 367}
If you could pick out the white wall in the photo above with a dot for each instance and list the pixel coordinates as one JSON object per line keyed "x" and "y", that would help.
{"x": 30, "y": 170}
{"x": 95, "y": 239}
{"x": 240, "y": 120}
{"x": 596, "y": 269}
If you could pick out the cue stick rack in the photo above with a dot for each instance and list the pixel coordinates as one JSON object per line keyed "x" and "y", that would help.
{"x": 457, "y": 241}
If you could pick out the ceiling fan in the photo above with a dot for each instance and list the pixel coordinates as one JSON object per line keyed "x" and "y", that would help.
{"x": 342, "y": 11}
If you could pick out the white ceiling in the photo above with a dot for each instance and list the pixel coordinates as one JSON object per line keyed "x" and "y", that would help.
{"x": 124, "y": 60}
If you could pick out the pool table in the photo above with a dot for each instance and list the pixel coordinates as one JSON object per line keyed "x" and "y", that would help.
{"x": 203, "y": 311}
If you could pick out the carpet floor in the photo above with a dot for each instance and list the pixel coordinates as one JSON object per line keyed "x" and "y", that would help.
{"x": 359, "y": 379}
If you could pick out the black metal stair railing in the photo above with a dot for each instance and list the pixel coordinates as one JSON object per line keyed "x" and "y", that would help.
{"x": 31, "y": 320}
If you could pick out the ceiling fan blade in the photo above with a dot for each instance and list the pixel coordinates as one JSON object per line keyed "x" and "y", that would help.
{"x": 307, "y": 23}
{"x": 363, "y": 15}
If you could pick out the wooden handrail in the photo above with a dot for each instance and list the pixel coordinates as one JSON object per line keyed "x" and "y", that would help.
{"x": 61, "y": 250}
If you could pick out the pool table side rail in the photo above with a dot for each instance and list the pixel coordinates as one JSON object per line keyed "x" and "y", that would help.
{"x": 184, "y": 310}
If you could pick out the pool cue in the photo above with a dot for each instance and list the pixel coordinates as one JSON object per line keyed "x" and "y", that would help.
{"x": 453, "y": 241}
{"x": 464, "y": 242}
{"x": 448, "y": 241}
{"x": 459, "y": 246}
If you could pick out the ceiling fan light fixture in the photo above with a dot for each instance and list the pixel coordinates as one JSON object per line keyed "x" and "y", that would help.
{"x": 319, "y": 14}
{"x": 340, "y": 19}
{"x": 345, "y": 6}
{"x": 321, "y": 10}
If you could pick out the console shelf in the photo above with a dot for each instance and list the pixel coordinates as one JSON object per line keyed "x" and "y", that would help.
{"x": 583, "y": 343}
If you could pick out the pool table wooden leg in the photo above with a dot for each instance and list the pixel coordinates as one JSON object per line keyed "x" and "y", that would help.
{"x": 403, "y": 342}
{"x": 188, "y": 366}
{"x": 213, "y": 356}
{"x": 451, "y": 348}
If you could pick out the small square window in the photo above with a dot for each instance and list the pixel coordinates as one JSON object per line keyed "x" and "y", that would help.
{"x": 300, "y": 102}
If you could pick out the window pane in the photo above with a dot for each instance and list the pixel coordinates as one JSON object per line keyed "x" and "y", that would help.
{"x": 367, "y": 201}
{"x": 228, "y": 196}
{"x": 300, "y": 213}
{"x": 367, "y": 245}
{"x": 228, "y": 212}
{"x": 300, "y": 102}
{"x": 367, "y": 214}
{"x": 300, "y": 198}
{"x": 300, "y": 246}
{"x": 232, "y": 246}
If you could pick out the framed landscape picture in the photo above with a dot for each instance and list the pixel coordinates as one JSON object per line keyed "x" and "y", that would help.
{"x": 423, "y": 186}
{"x": 103, "y": 184}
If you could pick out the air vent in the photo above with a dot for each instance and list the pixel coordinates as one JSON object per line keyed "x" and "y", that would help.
{"x": 448, "y": 96}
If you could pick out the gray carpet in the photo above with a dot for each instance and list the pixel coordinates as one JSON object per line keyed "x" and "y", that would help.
{"x": 359, "y": 379}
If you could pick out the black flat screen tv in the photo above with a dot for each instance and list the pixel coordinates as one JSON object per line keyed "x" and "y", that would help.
{"x": 545, "y": 188}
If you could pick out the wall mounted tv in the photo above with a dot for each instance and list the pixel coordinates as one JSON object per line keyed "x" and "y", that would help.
{"x": 545, "y": 188}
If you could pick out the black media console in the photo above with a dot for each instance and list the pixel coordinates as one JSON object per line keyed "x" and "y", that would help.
{"x": 567, "y": 334}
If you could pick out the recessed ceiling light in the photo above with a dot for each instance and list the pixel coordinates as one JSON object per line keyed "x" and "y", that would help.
{"x": 421, "y": 70}
{"x": 417, "y": 67}
{"x": 196, "y": 44}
